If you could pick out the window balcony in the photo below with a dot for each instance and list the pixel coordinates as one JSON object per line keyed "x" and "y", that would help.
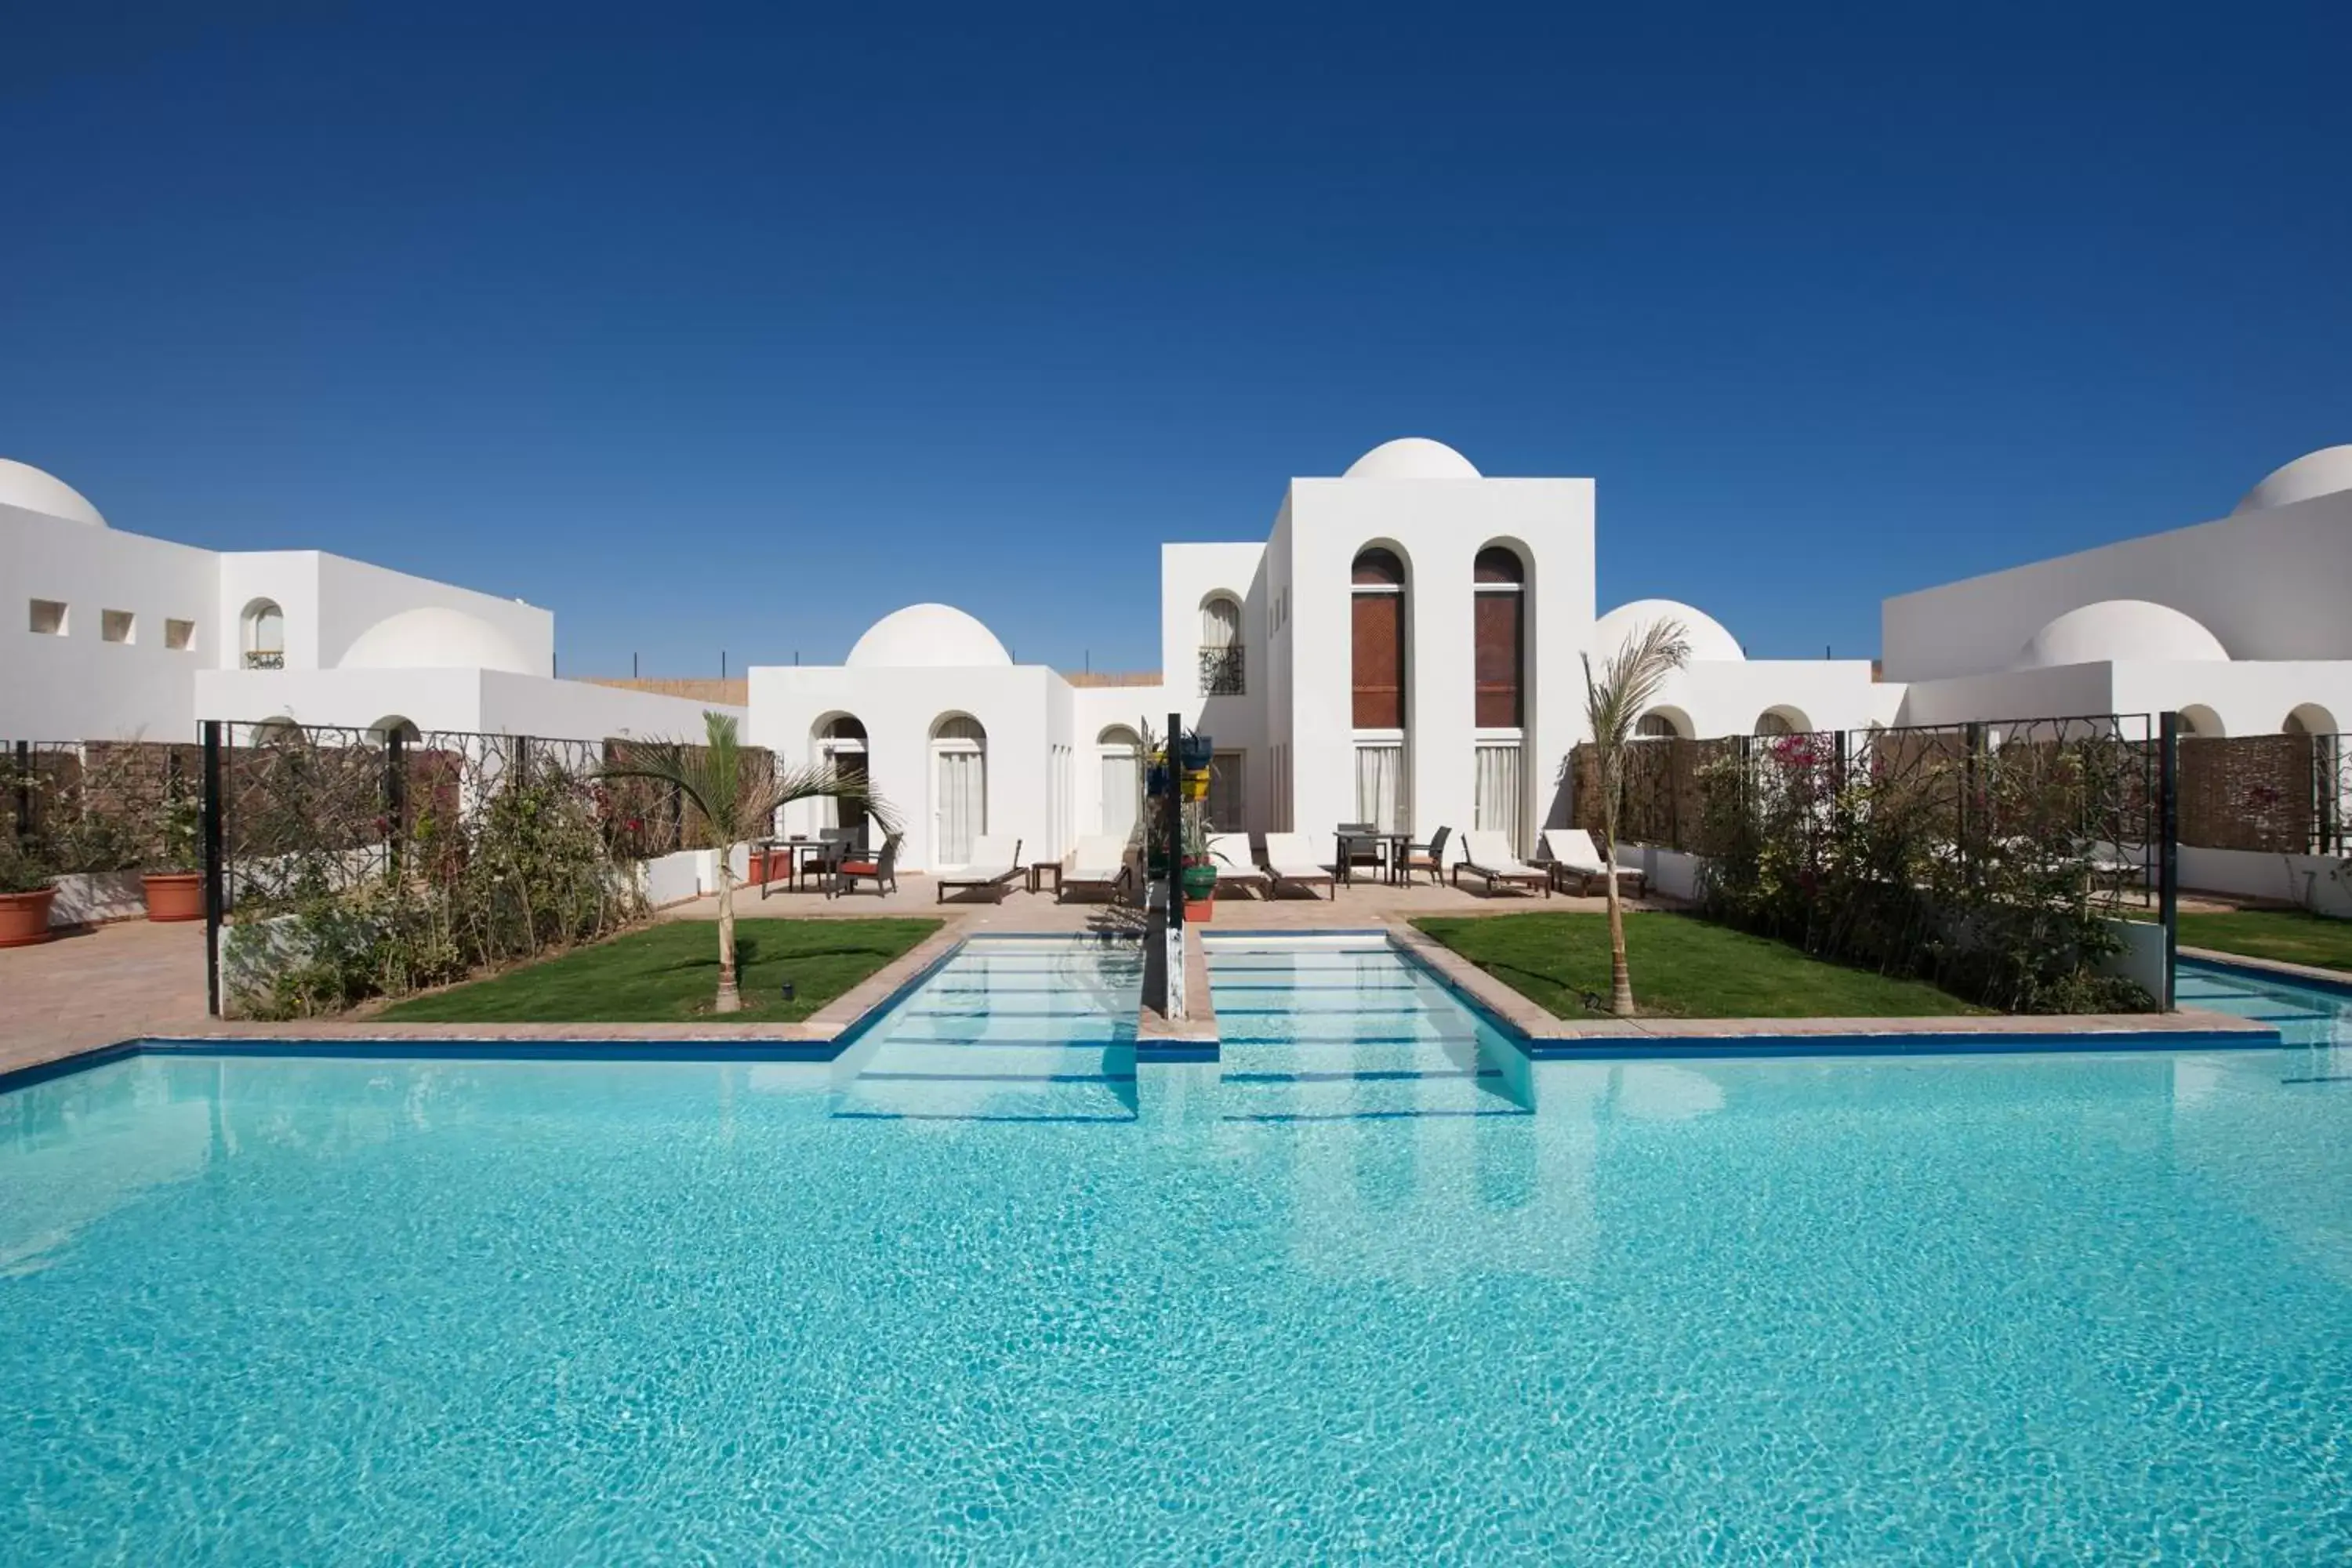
{"x": 1220, "y": 673}
{"x": 265, "y": 659}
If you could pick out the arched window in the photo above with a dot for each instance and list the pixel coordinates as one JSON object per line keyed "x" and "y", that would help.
{"x": 264, "y": 635}
{"x": 1222, "y": 672}
{"x": 840, "y": 742}
{"x": 386, "y": 727}
{"x": 1783, "y": 721}
{"x": 2310, "y": 718}
{"x": 1119, "y": 757}
{"x": 1661, "y": 724}
{"x": 959, "y": 788}
{"x": 2201, "y": 723}
{"x": 1379, "y": 608}
{"x": 1498, "y": 661}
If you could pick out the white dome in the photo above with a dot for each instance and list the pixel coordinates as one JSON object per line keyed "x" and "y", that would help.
{"x": 22, "y": 485}
{"x": 1411, "y": 458}
{"x": 1709, "y": 642}
{"x": 2322, "y": 473}
{"x": 2120, "y": 630}
{"x": 435, "y": 637}
{"x": 928, "y": 636}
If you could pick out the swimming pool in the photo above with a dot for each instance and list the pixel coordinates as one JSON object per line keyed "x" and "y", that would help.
{"x": 2023, "y": 1308}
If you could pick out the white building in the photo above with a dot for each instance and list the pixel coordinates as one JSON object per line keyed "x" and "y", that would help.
{"x": 2244, "y": 625}
{"x": 1405, "y": 646}
{"x": 112, "y": 635}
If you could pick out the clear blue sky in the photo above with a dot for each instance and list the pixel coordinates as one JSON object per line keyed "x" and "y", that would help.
{"x": 717, "y": 328}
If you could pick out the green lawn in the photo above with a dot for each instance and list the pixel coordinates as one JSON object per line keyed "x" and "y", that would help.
{"x": 669, "y": 974}
{"x": 2292, "y": 936}
{"x": 1683, "y": 968}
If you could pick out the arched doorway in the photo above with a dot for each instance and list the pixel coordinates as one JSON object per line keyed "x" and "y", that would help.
{"x": 840, "y": 745}
{"x": 959, "y": 788}
{"x": 1379, "y": 615}
{"x": 1119, "y": 751}
{"x": 262, "y": 629}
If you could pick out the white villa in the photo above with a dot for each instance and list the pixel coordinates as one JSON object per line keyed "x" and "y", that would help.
{"x": 1404, "y": 646}
{"x": 112, "y": 635}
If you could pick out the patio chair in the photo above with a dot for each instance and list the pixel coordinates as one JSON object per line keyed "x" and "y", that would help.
{"x": 995, "y": 861}
{"x": 1429, "y": 857}
{"x": 1100, "y": 861}
{"x": 852, "y": 864}
{"x": 1288, "y": 859}
{"x": 1569, "y": 852}
{"x": 1358, "y": 844}
{"x": 1236, "y": 867}
{"x": 1490, "y": 855}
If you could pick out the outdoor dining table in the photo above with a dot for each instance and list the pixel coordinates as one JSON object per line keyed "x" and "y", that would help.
{"x": 798, "y": 849}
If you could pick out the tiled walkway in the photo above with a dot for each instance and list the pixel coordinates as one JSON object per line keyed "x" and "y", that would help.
{"x": 97, "y": 986}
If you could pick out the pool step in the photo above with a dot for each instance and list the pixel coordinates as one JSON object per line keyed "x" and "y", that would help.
{"x": 1252, "y": 1094}
{"x": 979, "y": 1095}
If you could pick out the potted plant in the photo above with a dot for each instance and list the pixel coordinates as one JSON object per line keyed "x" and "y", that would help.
{"x": 25, "y": 893}
{"x": 1200, "y": 872}
{"x": 175, "y": 890}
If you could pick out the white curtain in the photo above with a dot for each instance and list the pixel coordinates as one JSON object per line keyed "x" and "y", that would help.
{"x": 1380, "y": 786}
{"x": 962, "y": 803}
{"x": 1120, "y": 772}
{"x": 1221, "y": 623}
{"x": 1496, "y": 798}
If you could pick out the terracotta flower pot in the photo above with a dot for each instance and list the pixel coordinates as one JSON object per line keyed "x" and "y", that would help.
{"x": 174, "y": 895}
{"x": 1200, "y": 912}
{"x": 25, "y": 916}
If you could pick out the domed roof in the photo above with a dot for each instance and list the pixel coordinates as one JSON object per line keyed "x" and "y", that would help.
{"x": 435, "y": 638}
{"x": 22, "y": 485}
{"x": 2314, "y": 474}
{"x": 928, "y": 636}
{"x": 2120, "y": 630}
{"x": 1710, "y": 643}
{"x": 1411, "y": 458}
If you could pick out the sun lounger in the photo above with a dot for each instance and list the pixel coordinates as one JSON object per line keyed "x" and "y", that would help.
{"x": 1236, "y": 867}
{"x": 1569, "y": 852}
{"x": 995, "y": 861}
{"x": 1289, "y": 859}
{"x": 1100, "y": 861}
{"x": 1490, "y": 855}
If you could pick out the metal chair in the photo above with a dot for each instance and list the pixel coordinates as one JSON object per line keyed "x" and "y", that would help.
{"x": 1429, "y": 857}
{"x": 881, "y": 868}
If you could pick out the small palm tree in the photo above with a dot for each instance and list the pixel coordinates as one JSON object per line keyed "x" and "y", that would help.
{"x": 1613, "y": 704}
{"x": 734, "y": 803}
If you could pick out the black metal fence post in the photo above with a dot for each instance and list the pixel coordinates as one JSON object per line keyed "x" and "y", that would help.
{"x": 1175, "y": 832}
{"x": 395, "y": 801}
{"x": 23, "y": 791}
{"x": 215, "y": 881}
{"x": 2167, "y": 817}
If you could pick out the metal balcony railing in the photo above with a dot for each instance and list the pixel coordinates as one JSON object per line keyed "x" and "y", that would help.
{"x": 265, "y": 659}
{"x": 1220, "y": 671}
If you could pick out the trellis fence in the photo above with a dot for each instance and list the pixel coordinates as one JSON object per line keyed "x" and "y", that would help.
{"x": 1992, "y": 856}
{"x": 91, "y": 806}
{"x": 342, "y": 864}
{"x": 2276, "y": 795}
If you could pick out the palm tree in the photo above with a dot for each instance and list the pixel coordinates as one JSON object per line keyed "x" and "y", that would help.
{"x": 1613, "y": 704}
{"x": 735, "y": 800}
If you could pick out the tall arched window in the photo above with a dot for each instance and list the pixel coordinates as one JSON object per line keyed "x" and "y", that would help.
{"x": 1498, "y": 664}
{"x": 959, "y": 788}
{"x": 264, "y": 635}
{"x": 1221, "y": 673}
{"x": 1378, "y": 606}
{"x": 1120, "y": 759}
{"x": 841, "y": 746}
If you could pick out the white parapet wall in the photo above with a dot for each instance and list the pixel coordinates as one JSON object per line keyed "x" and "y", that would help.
{"x": 2320, "y": 883}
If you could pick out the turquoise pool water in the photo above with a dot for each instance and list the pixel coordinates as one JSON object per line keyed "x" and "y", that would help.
{"x": 1925, "y": 1311}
